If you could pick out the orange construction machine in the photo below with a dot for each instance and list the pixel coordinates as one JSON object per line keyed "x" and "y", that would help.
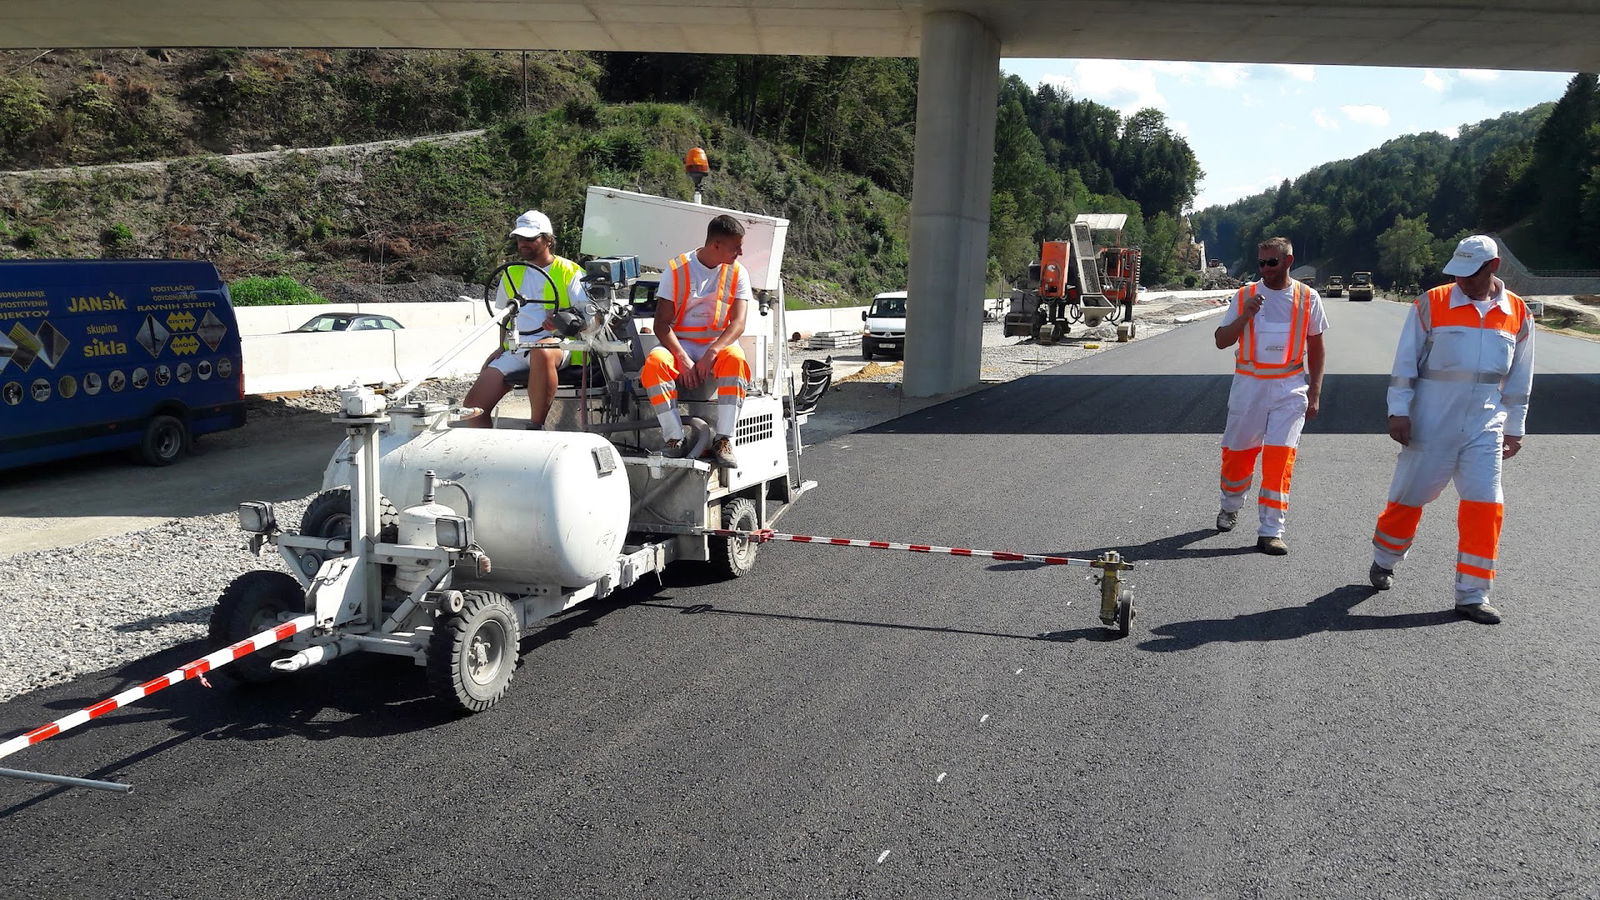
{"x": 1077, "y": 281}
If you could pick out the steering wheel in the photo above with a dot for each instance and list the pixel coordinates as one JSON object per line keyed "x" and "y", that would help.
{"x": 498, "y": 277}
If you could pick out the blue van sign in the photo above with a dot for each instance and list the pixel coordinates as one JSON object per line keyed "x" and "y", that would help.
{"x": 105, "y": 354}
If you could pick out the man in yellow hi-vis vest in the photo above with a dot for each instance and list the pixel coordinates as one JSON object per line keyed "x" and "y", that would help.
{"x": 1277, "y": 384}
{"x": 700, "y": 313}
{"x": 536, "y": 244}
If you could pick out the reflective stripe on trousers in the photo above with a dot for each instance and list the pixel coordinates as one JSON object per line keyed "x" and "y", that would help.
{"x": 1419, "y": 478}
{"x": 659, "y": 377}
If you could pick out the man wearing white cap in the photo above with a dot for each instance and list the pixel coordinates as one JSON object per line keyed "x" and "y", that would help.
{"x": 1458, "y": 404}
{"x": 536, "y": 244}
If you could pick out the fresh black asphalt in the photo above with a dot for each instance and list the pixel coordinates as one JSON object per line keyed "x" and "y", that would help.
{"x": 857, "y": 723}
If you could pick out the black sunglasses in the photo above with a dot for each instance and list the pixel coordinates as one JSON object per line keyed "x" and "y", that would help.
{"x": 1269, "y": 263}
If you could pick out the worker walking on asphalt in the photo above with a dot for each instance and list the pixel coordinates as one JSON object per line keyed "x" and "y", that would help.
{"x": 700, "y": 314}
{"x": 1277, "y": 323}
{"x": 1458, "y": 404}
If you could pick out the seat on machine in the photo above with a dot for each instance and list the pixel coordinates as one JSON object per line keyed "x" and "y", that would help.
{"x": 566, "y": 376}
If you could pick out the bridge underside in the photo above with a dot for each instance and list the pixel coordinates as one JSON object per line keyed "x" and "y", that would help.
{"x": 960, "y": 43}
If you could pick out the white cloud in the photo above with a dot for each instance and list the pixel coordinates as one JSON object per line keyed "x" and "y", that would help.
{"x": 1365, "y": 114}
{"x": 1127, "y": 86}
{"x": 1478, "y": 74}
{"x": 1298, "y": 72}
{"x": 1226, "y": 75}
{"x": 1432, "y": 81}
{"x": 1323, "y": 120}
{"x": 1453, "y": 132}
{"x": 1180, "y": 127}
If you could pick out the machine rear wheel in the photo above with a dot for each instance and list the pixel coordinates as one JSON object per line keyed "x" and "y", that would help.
{"x": 736, "y": 557}
{"x": 253, "y": 603}
{"x": 473, "y": 654}
{"x": 1124, "y": 612}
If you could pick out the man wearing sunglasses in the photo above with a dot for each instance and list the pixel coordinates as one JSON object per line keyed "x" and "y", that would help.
{"x": 1277, "y": 323}
{"x": 1458, "y": 404}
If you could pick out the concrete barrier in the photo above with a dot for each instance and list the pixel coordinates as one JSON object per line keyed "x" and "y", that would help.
{"x": 279, "y": 363}
{"x": 278, "y": 319}
{"x": 830, "y": 319}
{"x": 275, "y": 362}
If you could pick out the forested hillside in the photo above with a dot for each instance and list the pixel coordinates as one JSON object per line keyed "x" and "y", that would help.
{"x": 825, "y": 142}
{"x": 1398, "y": 210}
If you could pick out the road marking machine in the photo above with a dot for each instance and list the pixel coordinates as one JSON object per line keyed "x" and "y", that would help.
{"x": 442, "y": 544}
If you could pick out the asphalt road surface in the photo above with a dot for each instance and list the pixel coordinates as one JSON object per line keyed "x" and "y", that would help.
{"x": 855, "y": 723}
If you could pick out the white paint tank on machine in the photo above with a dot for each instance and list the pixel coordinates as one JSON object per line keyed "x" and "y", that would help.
{"x": 548, "y": 507}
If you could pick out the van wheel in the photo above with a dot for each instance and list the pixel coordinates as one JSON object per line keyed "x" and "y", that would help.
{"x": 165, "y": 440}
{"x": 866, "y": 351}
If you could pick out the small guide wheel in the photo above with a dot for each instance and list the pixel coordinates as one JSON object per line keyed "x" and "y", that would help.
{"x": 1124, "y": 612}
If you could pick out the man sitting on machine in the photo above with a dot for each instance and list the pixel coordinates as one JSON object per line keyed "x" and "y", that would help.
{"x": 700, "y": 314}
{"x": 536, "y": 323}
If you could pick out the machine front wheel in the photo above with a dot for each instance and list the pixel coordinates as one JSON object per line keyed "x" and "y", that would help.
{"x": 473, "y": 654}
{"x": 736, "y": 557}
{"x": 1124, "y": 612}
{"x": 253, "y": 603}
{"x": 328, "y": 516}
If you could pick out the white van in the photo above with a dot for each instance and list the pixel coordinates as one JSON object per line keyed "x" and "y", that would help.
{"x": 885, "y": 330}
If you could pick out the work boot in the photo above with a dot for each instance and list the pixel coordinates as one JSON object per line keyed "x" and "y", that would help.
{"x": 1272, "y": 546}
{"x": 1226, "y": 520}
{"x": 674, "y": 449}
{"x": 1482, "y": 613}
{"x": 722, "y": 452}
{"x": 1381, "y": 578}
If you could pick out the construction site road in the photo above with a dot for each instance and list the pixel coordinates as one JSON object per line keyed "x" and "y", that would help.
{"x": 852, "y": 723}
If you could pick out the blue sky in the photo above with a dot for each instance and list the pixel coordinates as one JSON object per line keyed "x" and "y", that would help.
{"x": 1251, "y": 126}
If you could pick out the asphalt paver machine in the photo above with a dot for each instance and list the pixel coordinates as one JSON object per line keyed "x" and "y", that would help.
{"x": 443, "y": 543}
{"x": 1078, "y": 280}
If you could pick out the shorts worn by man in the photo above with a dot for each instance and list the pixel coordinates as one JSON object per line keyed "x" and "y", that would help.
{"x": 1277, "y": 323}
{"x": 535, "y": 323}
{"x": 700, "y": 313}
{"x": 1458, "y": 405}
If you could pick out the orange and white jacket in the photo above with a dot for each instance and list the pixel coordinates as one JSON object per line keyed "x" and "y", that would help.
{"x": 1457, "y": 373}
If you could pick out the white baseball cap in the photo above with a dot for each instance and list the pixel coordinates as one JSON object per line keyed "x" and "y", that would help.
{"x": 1471, "y": 254}
{"x": 531, "y": 224}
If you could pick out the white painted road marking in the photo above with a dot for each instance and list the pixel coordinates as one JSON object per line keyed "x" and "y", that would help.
{"x": 984, "y": 719}
{"x": 940, "y": 779}
{"x": 883, "y": 857}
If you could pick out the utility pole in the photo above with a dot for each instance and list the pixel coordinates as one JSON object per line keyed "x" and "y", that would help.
{"x": 524, "y": 82}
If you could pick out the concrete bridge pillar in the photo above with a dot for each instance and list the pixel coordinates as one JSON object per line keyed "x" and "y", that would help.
{"x": 957, "y": 89}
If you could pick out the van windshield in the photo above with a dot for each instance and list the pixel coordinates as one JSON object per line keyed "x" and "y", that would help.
{"x": 888, "y": 307}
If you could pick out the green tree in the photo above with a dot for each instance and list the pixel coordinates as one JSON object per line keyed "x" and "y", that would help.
{"x": 1405, "y": 250}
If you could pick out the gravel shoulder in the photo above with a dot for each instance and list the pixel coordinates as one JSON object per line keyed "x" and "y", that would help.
{"x": 80, "y": 593}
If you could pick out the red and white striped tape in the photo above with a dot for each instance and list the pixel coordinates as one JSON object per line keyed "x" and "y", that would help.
{"x": 762, "y": 536}
{"x": 191, "y": 670}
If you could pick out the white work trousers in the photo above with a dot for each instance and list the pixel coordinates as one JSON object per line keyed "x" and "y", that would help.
{"x": 1264, "y": 411}
{"x": 1419, "y": 479}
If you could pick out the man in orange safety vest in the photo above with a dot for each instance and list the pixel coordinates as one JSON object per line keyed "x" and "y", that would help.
{"x": 1458, "y": 405}
{"x": 700, "y": 315}
{"x": 1277, "y": 323}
